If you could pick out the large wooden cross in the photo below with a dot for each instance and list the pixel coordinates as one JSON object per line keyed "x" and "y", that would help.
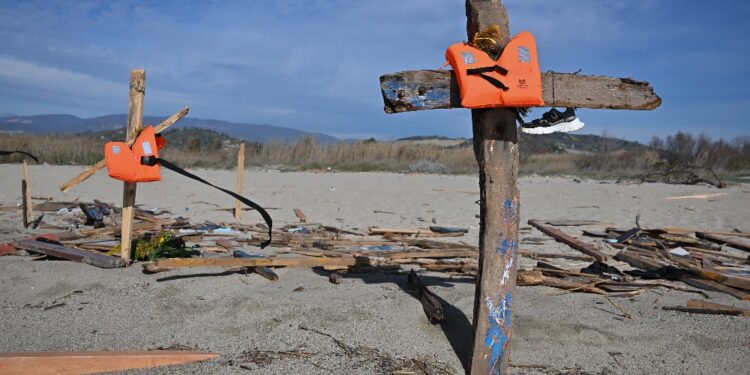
{"x": 497, "y": 152}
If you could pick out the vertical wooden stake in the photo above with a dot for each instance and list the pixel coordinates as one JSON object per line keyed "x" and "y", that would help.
{"x": 240, "y": 176}
{"x": 135, "y": 122}
{"x": 496, "y": 150}
{"x": 28, "y": 207}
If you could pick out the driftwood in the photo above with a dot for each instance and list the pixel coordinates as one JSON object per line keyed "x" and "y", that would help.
{"x": 418, "y": 90}
{"x": 260, "y": 270}
{"x": 300, "y": 215}
{"x": 76, "y": 255}
{"x": 725, "y": 240}
{"x": 431, "y": 305}
{"x": 569, "y": 240}
{"x": 682, "y": 174}
{"x": 171, "y": 263}
{"x": 716, "y": 287}
{"x": 43, "y": 363}
{"x": 705, "y": 307}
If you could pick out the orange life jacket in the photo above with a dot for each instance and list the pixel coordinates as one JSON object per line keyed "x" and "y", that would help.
{"x": 141, "y": 164}
{"x": 513, "y": 80}
{"x": 125, "y": 163}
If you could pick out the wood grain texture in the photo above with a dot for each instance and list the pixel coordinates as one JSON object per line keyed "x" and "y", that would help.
{"x": 569, "y": 240}
{"x": 698, "y": 304}
{"x": 716, "y": 287}
{"x": 73, "y": 182}
{"x": 430, "y": 303}
{"x": 240, "y": 178}
{"x": 737, "y": 243}
{"x": 418, "y": 90}
{"x": 69, "y": 363}
{"x": 254, "y": 262}
{"x": 300, "y": 215}
{"x": 76, "y": 255}
{"x": 497, "y": 153}
{"x": 135, "y": 123}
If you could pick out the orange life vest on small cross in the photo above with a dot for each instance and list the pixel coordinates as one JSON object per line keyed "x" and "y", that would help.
{"x": 125, "y": 163}
{"x": 513, "y": 80}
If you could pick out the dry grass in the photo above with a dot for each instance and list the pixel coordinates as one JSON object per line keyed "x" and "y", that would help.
{"x": 603, "y": 162}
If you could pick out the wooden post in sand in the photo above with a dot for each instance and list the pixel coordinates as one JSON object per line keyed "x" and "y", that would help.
{"x": 497, "y": 152}
{"x": 135, "y": 122}
{"x": 240, "y": 177}
{"x": 28, "y": 206}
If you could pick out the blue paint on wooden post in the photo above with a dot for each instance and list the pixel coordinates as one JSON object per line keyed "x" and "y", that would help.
{"x": 510, "y": 210}
{"x": 498, "y": 333}
{"x": 394, "y": 90}
{"x": 505, "y": 245}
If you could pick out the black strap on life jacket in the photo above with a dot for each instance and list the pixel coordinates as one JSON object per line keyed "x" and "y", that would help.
{"x": 151, "y": 160}
{"x": 496, "y": 68}
{"x": 19, "y": 152}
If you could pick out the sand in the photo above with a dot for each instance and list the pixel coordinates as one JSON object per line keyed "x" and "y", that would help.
{"x": 369, "y": 324}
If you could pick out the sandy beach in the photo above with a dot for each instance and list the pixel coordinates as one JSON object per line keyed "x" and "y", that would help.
{"x": 370, "y": 323}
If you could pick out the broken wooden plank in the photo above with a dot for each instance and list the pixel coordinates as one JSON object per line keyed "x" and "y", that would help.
{"x": 534, "y": 255}
{"x": 439, "y": 253}
{"x": 698, "y": 196}
{"x": 572, "y": 222}
{"x": 418, "y": 90}
{"x": 728, "y": 280}
{"x": 716, "y": 287}
{"x": 430, "y": 303}
{"x": 569, "y": 240}
{"x": 266, "y": 272}
{"x": 705, "y": 307}
{"x": 300, "y": 215}
{"x": 254, "y": 262}
{"x": 701, "y": 310}
{"x": 260, "y": 270}
{"x": 43, "y": 363}
{"x": 442, "y": 229}
{"x": 725, "y": 240}
{"x": 378, "y": 230}
{"x": 458, "y": 267}
{"x": 710, "y": 305}
{"x": 76, "y": 255}
{"x": 227, "y": 244}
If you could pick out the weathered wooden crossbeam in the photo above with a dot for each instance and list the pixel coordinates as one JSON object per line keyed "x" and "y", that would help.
{"x": 417, "y": 90}
{"x": 497, "y": 152}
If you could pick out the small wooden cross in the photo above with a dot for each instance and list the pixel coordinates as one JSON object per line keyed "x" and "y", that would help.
{"x": 135, "y": 123}
{"x": 497, "y": 152}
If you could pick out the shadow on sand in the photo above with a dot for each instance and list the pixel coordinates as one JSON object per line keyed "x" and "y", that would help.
{"x": 455, "y": 325}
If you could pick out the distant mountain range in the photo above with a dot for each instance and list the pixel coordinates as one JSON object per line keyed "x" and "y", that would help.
{"x": 110, "y": 126}
{"x": 69, "y": 124}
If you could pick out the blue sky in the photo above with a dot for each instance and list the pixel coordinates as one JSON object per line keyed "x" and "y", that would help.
{"x": 314, "y": 64}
